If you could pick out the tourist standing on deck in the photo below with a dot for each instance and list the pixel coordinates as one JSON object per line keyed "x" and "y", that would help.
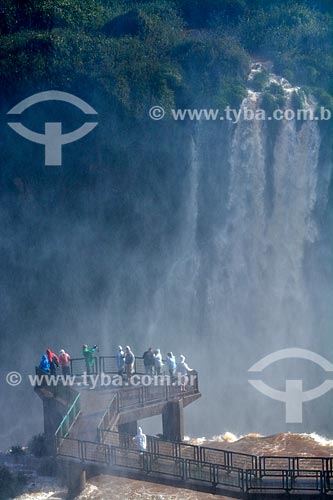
{"x": 158, "y": 362}
{"x": 148, "y": 361}
{"x": 120, "y": 356}
{"x": 64, "y": 358}
{"x": 53, "y": 360}
{"x": 140, "y": 440}
{"x": 129, "y": 362}
{"x": 171, "y": 362}
{"x": 89, "y": 358}
{"x": 44, "y": 365}
{"x": 182, "y": 369}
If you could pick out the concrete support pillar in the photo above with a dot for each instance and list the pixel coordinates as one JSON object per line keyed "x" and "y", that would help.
{"x": 76, "y": 480}
{"x": 52, "y": 418}
{"x": 173, "y": 421}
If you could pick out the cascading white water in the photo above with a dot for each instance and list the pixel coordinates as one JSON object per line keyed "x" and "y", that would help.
{"x": 257, "y": 283}
{"x": 250, "y": 271}
{"x": 174, "y": 299}
{"x": 240, "y": 241}
{"x": 292, "y": 225}
{"x": 237, "y": 283}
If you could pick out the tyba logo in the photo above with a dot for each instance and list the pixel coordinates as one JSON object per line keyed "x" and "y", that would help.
{"x": 293, "y": 396}
{"x": 53, "y": 138}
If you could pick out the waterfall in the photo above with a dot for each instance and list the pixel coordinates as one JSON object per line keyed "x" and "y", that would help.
{"x": 237, "y": 285}
{"x": 292, "y": 225}
{"x": 248, "y": 277}
{"x": 257, "y": 280}
{"x": 240, "y": 241}
{"x": 174, "y": 301}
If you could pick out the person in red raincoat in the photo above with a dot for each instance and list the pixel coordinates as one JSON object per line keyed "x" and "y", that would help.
{"x": 53, "y": 360}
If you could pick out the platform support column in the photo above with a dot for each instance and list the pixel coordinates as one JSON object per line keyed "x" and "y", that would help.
{"x": 173, "y": 421}
{"x": 76, "y": 480}
{"x": 52, "y": 417}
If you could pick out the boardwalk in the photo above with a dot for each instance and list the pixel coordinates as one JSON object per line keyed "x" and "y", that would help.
{"x": 92, "y": 432}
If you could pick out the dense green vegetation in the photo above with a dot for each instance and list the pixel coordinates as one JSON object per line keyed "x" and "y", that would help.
{"x": 175, "y": 52}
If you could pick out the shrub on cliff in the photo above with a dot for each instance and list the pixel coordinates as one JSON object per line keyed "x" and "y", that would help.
{"x": 37, "y": 445}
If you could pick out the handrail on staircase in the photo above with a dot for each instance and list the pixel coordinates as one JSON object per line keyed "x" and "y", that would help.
{"x": 68, "y": 420}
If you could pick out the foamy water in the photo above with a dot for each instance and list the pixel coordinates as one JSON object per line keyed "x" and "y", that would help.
{"x": 115, "y": 488}
{"x": 321, "y": 440}
{"x": 42, "y": 488}
{"x": 227, "y": 437}
{"x": 279, "y": 444}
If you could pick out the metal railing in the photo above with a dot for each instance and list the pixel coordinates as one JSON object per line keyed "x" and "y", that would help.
{"x": 137, "y": 397}
{"x": 68, "y": 420}
{"x": 109, "y": 418}
{"x": 155, "y": 446}
{"x": 216, "y": 467}
{"x": 228, "y": 459}
{"x": 188, "y": 469}
{"x": 287, "y": 480}
{"x": 233, "y": 468}
{"x": 297, "y": 464}
{"x": 107, "y": 365}
{"x": 152, "y": 463}
{"x": 78, "y": 366}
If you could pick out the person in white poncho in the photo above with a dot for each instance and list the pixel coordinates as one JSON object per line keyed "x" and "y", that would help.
{"x": 183, "y": 367}
{"x": 158, "y": 363}
{"x": 182, "y": 370}
{"x": 140, "y": 440}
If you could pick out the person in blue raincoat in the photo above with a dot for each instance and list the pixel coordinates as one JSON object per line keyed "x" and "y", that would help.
{"x": 171, "y": 362}
{"x": 44, "y": 365}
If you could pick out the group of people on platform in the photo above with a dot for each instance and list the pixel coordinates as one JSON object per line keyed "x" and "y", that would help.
{"x": 153, "y": 363}
{"x": 50, "y": 362}
{"x": 152, "y": 360}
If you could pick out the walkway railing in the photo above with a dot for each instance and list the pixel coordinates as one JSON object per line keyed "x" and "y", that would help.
{"x": 227, "y": 458}
{"x": 136, "y": 397}
{"x": 224, "y": 469}
{"x": 109, "y": 418}
{"x": 152, "y": 463}
{"x": 216, "y": 468}
{"x": 68, "y": 421}
{"x": 105, "y": 364}
{"x": 179, "y": 465}
{"x": 78, "y": 366}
